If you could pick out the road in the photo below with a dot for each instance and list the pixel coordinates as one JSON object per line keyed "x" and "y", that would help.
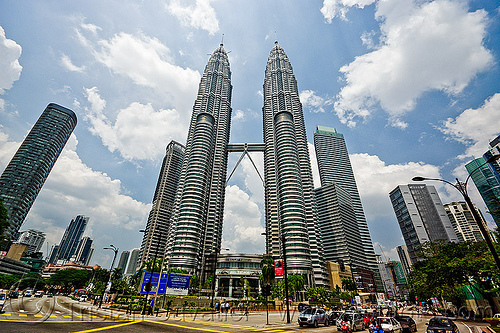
{"x": 61, "y": 314}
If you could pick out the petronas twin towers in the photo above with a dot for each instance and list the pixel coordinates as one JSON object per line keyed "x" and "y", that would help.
{"x": 195, "y": 229}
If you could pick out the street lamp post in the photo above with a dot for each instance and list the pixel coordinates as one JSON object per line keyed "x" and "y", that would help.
{"x": 215, "y": 276}
{"x": 151, "y": 274}
{"x": 462, "y": 188}
{"x": 285, "y": 273}
{"x": 108, "y": 285}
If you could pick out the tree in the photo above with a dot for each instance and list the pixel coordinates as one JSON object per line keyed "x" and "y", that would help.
{"x": 267, "y": 275}
{"x": 4, "y": 224}
{"x": 70, "y": 279}
{"x": 194, "y": 283}
{"x": 296, "y": 283}
{"x": 319, "y": 295}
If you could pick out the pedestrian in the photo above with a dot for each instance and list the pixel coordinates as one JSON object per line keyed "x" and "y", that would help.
{"x": 217, "y": 306}
{"x": 151, "y": 307}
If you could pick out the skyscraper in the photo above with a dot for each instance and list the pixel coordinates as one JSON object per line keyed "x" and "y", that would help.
{"x": 487, "y": 184}
{"x": 421, "y": 216}
{"x": 335, "y": 168}
{"x": 404, "y": 258}
{"x": 24, "y": 176}
{"x": 289, "y": 198}
{"x": 197, "y": 222}
{"x": 84, "y": 250}
{"x": 33, "y": 238}
{"x": 122, "y": 263}
{"x": 72, "y": 237}
{"x": 463, "y": 222}
{"x": 132, "y": 263}
{"x": 155, "y": 235}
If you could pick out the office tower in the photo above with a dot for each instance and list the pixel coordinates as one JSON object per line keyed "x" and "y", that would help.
{"x": 53, "y": 254}
{"x": 421, "y": 216}
{"x": 494, "y": 150}
{"x": 24, "y": 176}
{"x": 122, "y": 263}
{"x": 385, "y": 277}
{"x": 463, "y": 222}
{"x": 289, "y": 196}
{"x": 84, "y": 250}
{"x": 155, "y": 234}
{"x": 33, "y": 238}
{"x": 404, "y": 258}
{"x": 335, "y": 167}
{"x": 132, "y": 263}
{"x": 71, "y": 237}
{"x": 197, "y": 222}
{"x": 487, "y": 185}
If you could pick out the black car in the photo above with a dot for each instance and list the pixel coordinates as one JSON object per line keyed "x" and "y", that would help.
{"x": 407, "y": 323}
{"x": 13, "y": 294}
{"x": 441, "y": 325}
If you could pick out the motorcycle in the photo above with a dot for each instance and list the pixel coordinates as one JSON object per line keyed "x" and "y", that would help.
{"x": 374, "y": 328}
{"x": 345, "y": 327}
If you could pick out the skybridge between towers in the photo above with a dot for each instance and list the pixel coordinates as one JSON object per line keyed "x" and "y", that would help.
{"x": 245, "y": 148}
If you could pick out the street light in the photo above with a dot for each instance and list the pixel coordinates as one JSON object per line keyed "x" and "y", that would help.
{"x": 285, "y": 273}
{"x": 462, "y": 188}
{"x": 148, "y": 284}
{"x": 215, "y": 276}
{"x": 108, "y": 285}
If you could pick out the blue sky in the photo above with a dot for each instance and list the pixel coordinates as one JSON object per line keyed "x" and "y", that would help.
{"x": 413, "y": 86}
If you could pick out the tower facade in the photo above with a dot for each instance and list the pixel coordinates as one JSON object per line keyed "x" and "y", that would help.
{"x": 335, "y": 168}
{"x": 122, "y": 263}
{"x": 289, "y": 198}
{"x": 132, "y": 263}
{"x": 463, "y": 222}
{"x": 24, "y": 176}
{"x": 72, "y": 237}
{"x": 33, "y": 238}
{"x": 421, "y": 216}
{"x": 487, "y": 184}
{"x": 196, "y": 226}
{"x": 155, "y": 235}
{"x": 84, "y": 250}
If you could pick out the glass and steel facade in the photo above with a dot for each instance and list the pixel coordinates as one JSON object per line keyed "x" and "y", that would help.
{"x": 24, "y": 176}
{"x": 71, "y": 238}
{"x": 335, "y": 168}
{"x": 289, "y": 197}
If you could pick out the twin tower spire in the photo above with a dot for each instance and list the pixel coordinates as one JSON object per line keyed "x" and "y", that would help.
{"x": 195, "y": 229}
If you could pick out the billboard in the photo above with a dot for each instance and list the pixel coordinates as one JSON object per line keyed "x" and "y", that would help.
{"x": 168, "y": 284}
{"x": 278, "y": 267}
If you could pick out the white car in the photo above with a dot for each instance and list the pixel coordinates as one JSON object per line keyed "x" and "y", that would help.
{"x": 389, "y": 324}
{"x": 3, "y": 298}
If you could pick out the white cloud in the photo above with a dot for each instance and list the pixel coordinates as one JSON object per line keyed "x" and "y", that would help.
{"x": 242, "y": 227}
{"x": 10, "y": 52}
{"x": 73, "y": 188}
{"x": 475, "y": 127}
{"x": 68, "y": 64}
{"x": 313, "y": 102}
{"x": 375, "y": 179}
{"x": 139, "y": 131}
{"x": 339, "y": 8}
{"x": 200, "y": 15}
{"x": 424, "y": 46}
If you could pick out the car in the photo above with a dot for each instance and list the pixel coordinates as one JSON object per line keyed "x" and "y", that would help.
{"x": 496, "y": 316}
{"x": 354, "y": 319}
{"x": 313, "y": 317}
{"x": 389, "y": 324}
{"x": 3, "y": 298}
{"x": 39, "y": 294}
{"x": 27, "y": 293}
{"x": 13, "y": 294}
{"x": 407, "y": 323}
{"x": 368, "y": 317}
{"x": 302, "y": 306}
{"x": 83, "y": 298}
{"x": 50, "y": 295}
{"x": 440, "y": 324}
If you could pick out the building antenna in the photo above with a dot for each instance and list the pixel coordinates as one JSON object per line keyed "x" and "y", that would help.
{"x": 275, "y": 37}
{"x": 222, "y": 40}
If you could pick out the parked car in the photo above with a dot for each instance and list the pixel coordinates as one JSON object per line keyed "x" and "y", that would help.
{"x": 39, "y": 293}
{"x": 333, "y": 316}
{"x": 407, "y": 323}
{"x": 3, "y": 298}
{"x": 354, "y": 319}
{"x": 441, "y": 324}
{"x": 13, "y": 294}
{"x": 389, "y": 324}
{"x": 313, "y": 317}
{"x": 27, "y": 293}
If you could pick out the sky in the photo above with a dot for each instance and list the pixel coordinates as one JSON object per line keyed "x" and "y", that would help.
{"x": 414, "y": 87}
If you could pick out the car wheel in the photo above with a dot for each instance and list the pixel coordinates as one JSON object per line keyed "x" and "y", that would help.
{"x": 315, "y": 323}
{"x": 300, "y": 324}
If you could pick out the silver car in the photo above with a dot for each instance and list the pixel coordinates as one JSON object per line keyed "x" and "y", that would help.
{"x": 313, "y": 317}
{"x": 355, "y": 320}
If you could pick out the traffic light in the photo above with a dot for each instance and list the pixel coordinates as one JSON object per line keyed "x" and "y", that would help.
{"x": 266, "y": 290}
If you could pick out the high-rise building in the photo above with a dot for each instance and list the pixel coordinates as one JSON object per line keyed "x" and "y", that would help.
{"x": 132, "y": 263}
{"x": 494, "y": 150}
{"x": 72, "y": 237}
{"x": 404, "y": 258}
{"x": 122, "y": 263}
{"x": 421, "y": 216}
{"x": 291, "y": 211}
{"x": 197, "y": 222}
{"x": 487, "y": 184}
{"x": 24, "y": 176}
{"x": 155, "y": 234}
{"x": 53, "y": 254}
{"x": 335, "y": 168}
{"x": 84, "y": 250}
{"x": 463, "y": 222}
{"x": 33, "y": 238}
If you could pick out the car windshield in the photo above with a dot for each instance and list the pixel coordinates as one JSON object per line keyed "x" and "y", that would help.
{"x": 347, "y": 316}
{"x": 308, "y": 311}
{"x": 385, "y": 321}
{"x": 2, "y": 297}
{"x": 439, "y": 322}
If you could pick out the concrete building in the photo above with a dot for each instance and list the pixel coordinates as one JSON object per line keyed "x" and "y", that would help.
{"x": 122, "y": 263}
{"x": 33, "y": 238}
{"x": 24, "y": 176}
{"x": 132, "y": 264}
{"x": 238, "y": 275}
{"x": 421, "y": 216}
{"x": 463, "y": 222}
{"x": 404, "y": 258}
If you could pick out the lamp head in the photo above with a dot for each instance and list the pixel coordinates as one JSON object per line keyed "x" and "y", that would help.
{"x": 418, "y": 179}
